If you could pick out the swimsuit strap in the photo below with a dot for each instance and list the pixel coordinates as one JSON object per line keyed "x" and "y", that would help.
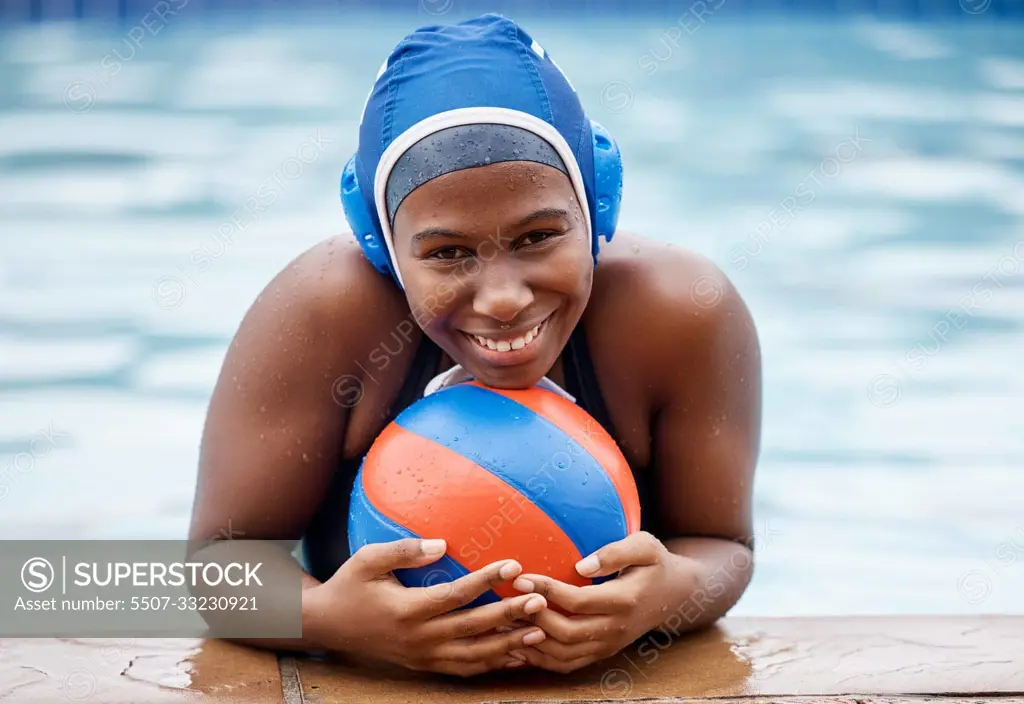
{"x": 581, "y": 378}
{"x": 424, "y": 368}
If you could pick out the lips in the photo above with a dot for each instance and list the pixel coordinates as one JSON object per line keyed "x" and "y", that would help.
{"x": 509, "y": 344}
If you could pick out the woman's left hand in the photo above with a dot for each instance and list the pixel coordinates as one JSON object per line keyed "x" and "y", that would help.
{"x": 604, "y": 618}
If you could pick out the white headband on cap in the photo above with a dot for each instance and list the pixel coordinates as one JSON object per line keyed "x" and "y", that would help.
{"x": 458, "y": 118}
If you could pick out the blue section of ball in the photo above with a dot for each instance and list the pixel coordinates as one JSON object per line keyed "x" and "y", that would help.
{"x": 550, "y": 468}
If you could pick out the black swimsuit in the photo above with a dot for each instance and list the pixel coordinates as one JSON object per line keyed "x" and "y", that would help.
{"x": 325, "y": 545}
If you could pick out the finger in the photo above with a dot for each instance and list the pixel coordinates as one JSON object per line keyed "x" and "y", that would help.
{"x": 591, "y": 600}
{"x": 489, "y": 647}
{"x": 441, "y": 598}
{"x": 572, "y": 629}
{"x": 567, "y": 652}
{"x": 547, "y": 662}
{"x": 375, "y": 559}
{"x": 501, "y": 614}
{"x": 640, "y": 548}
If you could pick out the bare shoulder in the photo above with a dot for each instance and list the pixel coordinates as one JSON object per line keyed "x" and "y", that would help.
{"x": 278, "y": 421}
{"x": 329, "y": 297}
{"x": 663, "y": 305}
{"x": 638, "y": 278}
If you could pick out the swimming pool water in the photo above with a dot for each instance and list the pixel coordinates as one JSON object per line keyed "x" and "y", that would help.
{"x": 861, "y": 183}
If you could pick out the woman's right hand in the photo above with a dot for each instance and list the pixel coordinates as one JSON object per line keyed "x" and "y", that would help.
{"x": 364, "y": 609}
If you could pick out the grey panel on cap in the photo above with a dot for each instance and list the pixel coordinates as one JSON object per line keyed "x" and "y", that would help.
{"x": 464, "y": 147}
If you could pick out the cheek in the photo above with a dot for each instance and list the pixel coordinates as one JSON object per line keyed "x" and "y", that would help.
{"x": 432, "y": 299}
{"x": 572, "y": 271}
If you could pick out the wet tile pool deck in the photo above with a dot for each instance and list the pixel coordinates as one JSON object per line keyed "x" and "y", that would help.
{"x": 842, "y": 659}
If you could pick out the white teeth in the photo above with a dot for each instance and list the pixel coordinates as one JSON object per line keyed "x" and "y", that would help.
{"x": 508, "y": 345}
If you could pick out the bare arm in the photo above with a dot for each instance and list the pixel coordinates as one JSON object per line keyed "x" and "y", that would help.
{"x": 274, "y": 433}
{"x": 707, "y": 441}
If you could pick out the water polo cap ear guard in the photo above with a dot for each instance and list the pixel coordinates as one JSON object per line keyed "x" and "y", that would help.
{"x": 603, "y": 204}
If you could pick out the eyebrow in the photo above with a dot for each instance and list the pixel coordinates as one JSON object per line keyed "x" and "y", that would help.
{"x": 436, "y": 232}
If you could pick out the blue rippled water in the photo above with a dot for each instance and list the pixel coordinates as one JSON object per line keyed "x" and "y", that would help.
{"x": 862, "y": 184}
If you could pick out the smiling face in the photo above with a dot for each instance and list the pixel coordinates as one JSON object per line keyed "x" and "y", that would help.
{"x": 497, "y": 267}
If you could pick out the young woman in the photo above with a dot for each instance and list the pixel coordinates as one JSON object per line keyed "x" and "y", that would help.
{"x": 479, "y": 196}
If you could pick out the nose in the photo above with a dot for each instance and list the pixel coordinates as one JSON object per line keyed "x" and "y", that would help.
{"x": 501, "y": 294}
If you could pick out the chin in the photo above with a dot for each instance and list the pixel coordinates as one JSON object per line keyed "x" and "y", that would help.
{"x": 512, "y": 368}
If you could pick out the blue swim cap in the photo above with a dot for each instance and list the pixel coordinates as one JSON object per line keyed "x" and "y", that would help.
{"x": 486, "y": 70}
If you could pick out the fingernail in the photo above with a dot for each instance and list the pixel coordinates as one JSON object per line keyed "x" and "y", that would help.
{"x": 534, "y": 604}
{"x": 515, "y": 663}
{"x": 534, "y": 637}
{"x": 433, "y": 547}
{"x": 505, "y": 629}
{"x": 588, "y": 565}
{"x": 509, "y": 570}
{"x": 523, "y": 585}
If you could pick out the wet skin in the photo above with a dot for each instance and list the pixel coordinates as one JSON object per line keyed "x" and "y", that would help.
{"x": 674, "y": 347}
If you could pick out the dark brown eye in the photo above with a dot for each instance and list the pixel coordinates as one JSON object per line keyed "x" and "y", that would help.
{"x": 537, "y": 237}
{"x": 446, "y": 253}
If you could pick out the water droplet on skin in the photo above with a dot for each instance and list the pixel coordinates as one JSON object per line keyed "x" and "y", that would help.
{"x": 636, "y": 249}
